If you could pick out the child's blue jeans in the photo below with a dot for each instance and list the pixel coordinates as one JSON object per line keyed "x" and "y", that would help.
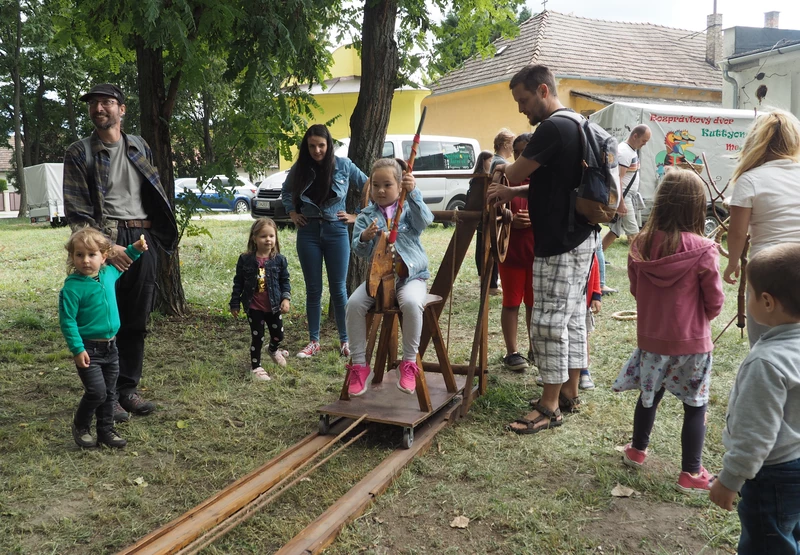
{"x": 769, "y": 511}
{"x": 99, "y": 386}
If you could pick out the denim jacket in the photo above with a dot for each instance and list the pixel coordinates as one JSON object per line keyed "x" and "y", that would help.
{"x": 344, "y": 173}
{"x": 415, "y": 218}
{"x": 277, "y": 281}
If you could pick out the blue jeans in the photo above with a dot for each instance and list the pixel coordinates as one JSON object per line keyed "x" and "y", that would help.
{"x": 99, "y": 384}
{"x": 769, "y": 511}
{"x": 318, "y": 240}
{"x": 601, "y": 262}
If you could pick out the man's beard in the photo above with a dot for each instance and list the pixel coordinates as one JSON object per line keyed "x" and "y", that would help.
{"x": 108, "y": 124}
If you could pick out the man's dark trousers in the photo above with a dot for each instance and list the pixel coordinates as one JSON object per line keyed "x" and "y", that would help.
{"x": 136, "y": 295}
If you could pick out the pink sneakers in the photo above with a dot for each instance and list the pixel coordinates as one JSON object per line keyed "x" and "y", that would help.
{"x": 279, "y": 356}
{"x": 309, "y": 350}
{"x": 408, "y": 376}
{"x": 360, "y": 375}
{"x": 694, "y": 484}
{"x": 633, "y": 457}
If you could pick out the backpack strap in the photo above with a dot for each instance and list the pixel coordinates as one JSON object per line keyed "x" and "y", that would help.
{"x": 578, "y": 119}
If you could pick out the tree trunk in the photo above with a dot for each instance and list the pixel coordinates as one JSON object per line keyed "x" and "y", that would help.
{"x": 41, "y": 89}
{"x": 208, "y": 146}
{"x": 156, "y": 104}
{"x": 370, "y": 119}
{"x": 15, "y": 77}
{"x": 71, "y": 120}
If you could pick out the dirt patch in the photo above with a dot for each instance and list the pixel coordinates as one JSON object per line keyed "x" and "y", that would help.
{"x": 633, "y": 525}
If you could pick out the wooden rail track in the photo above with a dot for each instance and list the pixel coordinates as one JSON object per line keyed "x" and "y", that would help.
{"x": 213, "y": 518}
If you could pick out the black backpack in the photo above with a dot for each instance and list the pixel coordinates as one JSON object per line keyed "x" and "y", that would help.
{"x": 597, "y": 197}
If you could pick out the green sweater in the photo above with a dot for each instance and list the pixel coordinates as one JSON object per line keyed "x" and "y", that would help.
{"x": 87, "y": 309}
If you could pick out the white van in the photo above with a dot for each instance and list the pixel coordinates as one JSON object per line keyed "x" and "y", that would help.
{"x": 436, "y": 155}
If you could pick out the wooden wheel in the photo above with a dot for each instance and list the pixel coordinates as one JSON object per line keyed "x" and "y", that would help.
{"x": 500, "y": 218}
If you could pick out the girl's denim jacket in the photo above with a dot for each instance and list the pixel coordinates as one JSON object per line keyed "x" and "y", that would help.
{"x": 345, "y": 172}
{"x": 415, "y": 218}
{"x": 277, "y": 281}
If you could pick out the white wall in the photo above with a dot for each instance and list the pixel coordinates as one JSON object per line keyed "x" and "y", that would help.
{"x": 781, "y": 77}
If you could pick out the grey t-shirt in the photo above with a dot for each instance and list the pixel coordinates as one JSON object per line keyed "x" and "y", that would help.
{"x": 123, "y": 196}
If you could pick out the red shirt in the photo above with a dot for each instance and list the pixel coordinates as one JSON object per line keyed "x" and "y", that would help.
{"x": 520, "y": 244}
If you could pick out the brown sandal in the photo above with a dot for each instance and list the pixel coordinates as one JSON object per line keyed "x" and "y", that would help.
{"x": 554, "y": 419}
{"x": 566, "y": 404}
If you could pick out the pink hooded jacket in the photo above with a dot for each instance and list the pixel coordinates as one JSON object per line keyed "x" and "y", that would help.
{"x": 677, "y": 296}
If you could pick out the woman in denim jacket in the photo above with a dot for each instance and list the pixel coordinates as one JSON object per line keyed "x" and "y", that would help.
{"x": 314, "y": 195}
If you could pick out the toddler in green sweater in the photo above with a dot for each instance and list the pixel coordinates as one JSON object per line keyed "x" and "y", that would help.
{"x": 89, "y": 320}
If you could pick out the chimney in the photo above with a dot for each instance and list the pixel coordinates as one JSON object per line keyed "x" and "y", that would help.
{"x": 771, "y": 20}
{"x": 713, "y": 38}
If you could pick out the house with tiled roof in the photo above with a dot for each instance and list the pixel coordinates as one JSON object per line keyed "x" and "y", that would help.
{"x": 595, "y": 62}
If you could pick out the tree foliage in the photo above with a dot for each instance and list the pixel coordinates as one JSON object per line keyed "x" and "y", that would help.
{"x": 468, "y": 31}
{"x": 221, "y": 65}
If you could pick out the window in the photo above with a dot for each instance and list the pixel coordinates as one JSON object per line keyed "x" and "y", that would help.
{"x": 441, "y": 155}
{"x": 388, "y": 150}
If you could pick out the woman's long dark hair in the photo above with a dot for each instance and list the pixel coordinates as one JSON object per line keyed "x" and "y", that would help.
{"x": 305, "y": 166}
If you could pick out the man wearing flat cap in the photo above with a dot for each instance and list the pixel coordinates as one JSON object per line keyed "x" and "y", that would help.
{"x": 111, "y": 183}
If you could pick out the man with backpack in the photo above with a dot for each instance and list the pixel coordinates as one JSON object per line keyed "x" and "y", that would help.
{"x": 564, "y": 242}
{"x": 112, "y": 184}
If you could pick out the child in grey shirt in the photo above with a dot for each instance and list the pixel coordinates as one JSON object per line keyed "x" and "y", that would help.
{"x": 762, "y": 432}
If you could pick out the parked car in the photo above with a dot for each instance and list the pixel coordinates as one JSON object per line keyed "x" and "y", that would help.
{"x": 238, "y": 200}
{"x": 435, "y": 155}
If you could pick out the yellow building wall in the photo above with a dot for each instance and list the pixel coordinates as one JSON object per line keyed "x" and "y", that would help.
{"x": 406, "y": 110}
{"x": 346, "y": 62}
{"x": 481, "y": 112}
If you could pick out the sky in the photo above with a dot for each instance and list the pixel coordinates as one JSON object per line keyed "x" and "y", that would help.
{"x": 681, "y": 14}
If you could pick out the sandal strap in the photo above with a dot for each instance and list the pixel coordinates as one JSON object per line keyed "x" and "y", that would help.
{"x": 551, "y": 414}
{"x": 571, "y": 402}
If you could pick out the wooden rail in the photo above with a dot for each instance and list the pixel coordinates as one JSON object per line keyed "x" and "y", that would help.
{"x": 204, "y": 524}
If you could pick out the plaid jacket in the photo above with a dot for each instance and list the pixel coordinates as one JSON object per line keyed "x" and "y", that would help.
{"x": 83, "y": 203}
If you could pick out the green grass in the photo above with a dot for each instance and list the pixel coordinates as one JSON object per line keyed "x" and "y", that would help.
{"x": 548, "y": 493}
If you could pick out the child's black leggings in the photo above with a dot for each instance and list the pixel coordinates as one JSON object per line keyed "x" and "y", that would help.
{"x": 274, "y": 323}
{"x": 693, "y": 434}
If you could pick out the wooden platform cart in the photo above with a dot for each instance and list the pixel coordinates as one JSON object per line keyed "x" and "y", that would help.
{"x": 439, "y": 382}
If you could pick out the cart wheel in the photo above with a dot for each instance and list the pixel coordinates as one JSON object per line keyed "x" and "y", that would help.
{"x": 324, "y": 424}
{"x": 408, "y": 437}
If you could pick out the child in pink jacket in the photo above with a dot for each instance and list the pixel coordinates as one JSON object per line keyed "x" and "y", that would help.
{"x": 676, "y": 282}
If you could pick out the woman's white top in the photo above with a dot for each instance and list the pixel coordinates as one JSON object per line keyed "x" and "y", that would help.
{"x": 772, "y": 191}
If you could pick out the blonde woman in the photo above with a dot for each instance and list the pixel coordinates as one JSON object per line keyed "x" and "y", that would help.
{"x": 766, "y": 194}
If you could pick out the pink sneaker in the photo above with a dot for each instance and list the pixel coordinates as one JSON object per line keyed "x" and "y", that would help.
{"x": 633, "y": 457}
{"x": 309, "y": 350}
{"x": 360, "y": 375}
{"x": 344, "y": 349}
{"x": 279, "y": 356}
{"x": 408, "y": 376}
{"x": 694, "y": 484}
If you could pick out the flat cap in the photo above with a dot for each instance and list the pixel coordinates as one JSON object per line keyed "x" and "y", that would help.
{"x": 104, "y": 89}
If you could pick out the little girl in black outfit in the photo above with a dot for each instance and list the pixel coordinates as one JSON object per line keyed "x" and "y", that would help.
{"x": 261, "y": 286}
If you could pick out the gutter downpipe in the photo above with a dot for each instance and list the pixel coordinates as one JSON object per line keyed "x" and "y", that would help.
{"x": 732, "y": 80}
